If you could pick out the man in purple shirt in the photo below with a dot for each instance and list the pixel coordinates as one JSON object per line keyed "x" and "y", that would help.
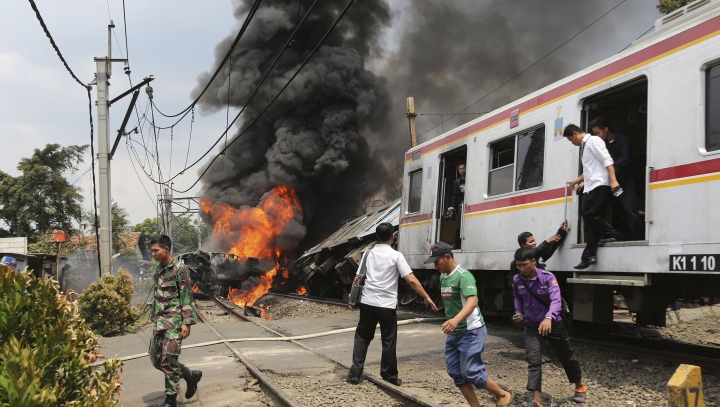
{"x": 538, "y": 304}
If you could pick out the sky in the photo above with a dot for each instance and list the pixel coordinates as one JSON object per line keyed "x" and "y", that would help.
{"x": 175, "y": 41}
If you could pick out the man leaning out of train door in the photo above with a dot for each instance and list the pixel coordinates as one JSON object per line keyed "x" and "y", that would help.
{"x": 538, "y": 305}
{"x": 598, "y": 174}
{"x": 465, "y": 328}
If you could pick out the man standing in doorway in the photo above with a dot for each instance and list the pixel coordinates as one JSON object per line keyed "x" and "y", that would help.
{"x": 620, "y": 150}
{"x": 382, "y": 266}
{"x": 458, "y": 198}
{"x": 172, "y": 315}
{"x": 465, "y": 329}
{"x": 538, "y": 304}
{"x": 598, "y": 175}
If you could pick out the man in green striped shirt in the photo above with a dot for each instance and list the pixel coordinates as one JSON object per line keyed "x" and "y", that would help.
{"x": 465, "y": 328}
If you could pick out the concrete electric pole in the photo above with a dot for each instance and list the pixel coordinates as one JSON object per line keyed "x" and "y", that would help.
{"x": 102, "y": 81}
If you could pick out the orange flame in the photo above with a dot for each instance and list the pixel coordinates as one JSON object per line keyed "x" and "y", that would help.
{"x": 252, "y": 232}
{"x": 301, "y": 290}
{"x": 195, "y": 288}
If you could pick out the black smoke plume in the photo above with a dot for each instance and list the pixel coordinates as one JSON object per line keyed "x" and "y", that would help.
{"x": 317, "y": 138}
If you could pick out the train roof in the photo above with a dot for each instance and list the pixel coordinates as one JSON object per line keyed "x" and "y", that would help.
{"x": 665, "y": 27}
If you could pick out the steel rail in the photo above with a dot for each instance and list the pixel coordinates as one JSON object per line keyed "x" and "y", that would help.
{"x": 270, "y": 388}
{"x": 397, "y": 393}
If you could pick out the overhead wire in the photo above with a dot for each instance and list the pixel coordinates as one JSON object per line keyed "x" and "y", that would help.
{"x": 92, "y": 142}
{"x": 526, "y": 69}
{"x": 254, "y": 120}
{"x": 244, "y": 27}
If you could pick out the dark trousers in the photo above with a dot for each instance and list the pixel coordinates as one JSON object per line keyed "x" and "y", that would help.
{"x": 458, "y": 225}
{"x": 369, "y": 317}
{"x": 628, "y": 200}
{"x": 560, "y": 342}
{"x": 594, "y": 207}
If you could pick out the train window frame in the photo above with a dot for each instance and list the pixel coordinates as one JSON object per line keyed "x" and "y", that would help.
{"x": 411, "y": 174}
{"x": 515, "y": 136}
{"x": 705, "y": 116}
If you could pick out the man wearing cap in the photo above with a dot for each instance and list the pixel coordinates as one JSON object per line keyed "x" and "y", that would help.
{"x": 383, "y": 266}
{"x": 8, "y": 261}
{"x": 465, "y": 328}
{"x": 538, "y": 305}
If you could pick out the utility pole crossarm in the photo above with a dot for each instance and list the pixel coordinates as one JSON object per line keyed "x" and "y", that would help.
{"x": 121, "y": 132}
{"x": 134, "y": 88}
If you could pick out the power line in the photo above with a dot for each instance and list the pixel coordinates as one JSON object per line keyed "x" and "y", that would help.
{"x": 322, "y": 40}
{"x": 84, "y": 173}
{"x": 249, "y": 17}
{"x": 526, "y": 69}
{"x": 88, "y": 88}
{"x": 643, "y": 34}
{"x": 127, "y": 52}
{"x": 127, "y": 146}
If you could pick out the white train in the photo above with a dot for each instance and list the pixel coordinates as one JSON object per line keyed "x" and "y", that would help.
{"x": 664, "y": 93}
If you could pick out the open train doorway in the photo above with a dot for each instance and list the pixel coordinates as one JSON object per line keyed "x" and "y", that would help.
{"x": 623, "y": 112}
{"x": 451, "y": 197}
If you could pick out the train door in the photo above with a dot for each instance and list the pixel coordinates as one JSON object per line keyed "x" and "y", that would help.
{"x": 450, "y": 221}
{"x": 625, "y": 110}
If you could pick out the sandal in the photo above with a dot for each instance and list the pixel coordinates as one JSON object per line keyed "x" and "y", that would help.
{"x": 580, "y": 394}
{"x": 532, "y": 403}
{"x": 509, "y": 403}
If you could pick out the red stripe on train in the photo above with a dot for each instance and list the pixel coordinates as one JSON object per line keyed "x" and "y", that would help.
{"x": 518, "y": 200}
{"x": 415, "y": 218}
{"x": 653, "y": 51}
{"x": 686, "y": 170}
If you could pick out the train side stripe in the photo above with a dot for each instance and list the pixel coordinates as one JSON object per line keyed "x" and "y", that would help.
{"x": 409, "y": 225}
{"x": 519, "y": 207}
{"x": 685, "y": 181}
{"x": 676, "y": 43}
{"x": 685, "y": 170}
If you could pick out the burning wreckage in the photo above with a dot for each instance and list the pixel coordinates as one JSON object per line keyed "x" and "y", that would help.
{"x": 325, "y": 270}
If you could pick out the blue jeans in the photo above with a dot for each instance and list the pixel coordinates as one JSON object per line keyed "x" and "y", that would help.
{"x": 463, "y": 355}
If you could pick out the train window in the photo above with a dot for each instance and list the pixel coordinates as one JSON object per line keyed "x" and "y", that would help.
{"x": 527, "y": 149}
{"x": 712, "y": 112}
{"x": 415, "y": 191}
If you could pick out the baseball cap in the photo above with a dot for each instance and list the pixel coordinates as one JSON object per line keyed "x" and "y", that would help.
{"x": 437, "y": 250}
{"x": 8, "y": 261}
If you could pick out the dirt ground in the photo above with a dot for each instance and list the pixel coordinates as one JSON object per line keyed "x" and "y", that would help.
{"x": 287, "y": 308}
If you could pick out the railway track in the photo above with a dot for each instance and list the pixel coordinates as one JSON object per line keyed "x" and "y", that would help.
{"x": 647, "y": 349}
{"x": 273, "y": 387}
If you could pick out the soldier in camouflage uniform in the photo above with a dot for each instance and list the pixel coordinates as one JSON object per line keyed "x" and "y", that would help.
{"x": 172, "y": 314}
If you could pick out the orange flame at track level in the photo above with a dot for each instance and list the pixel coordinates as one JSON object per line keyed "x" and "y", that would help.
{"x": 195, "y": 288}
{"x": 301, "y": 290}
{"x": 252, "y": 232}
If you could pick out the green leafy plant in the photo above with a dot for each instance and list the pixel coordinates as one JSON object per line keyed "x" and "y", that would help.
{"x": 106, "y": 304}
{"x": 47, "y": 349}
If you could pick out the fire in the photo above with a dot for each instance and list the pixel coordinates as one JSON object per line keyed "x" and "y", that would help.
{"x": 252, "y": 232}
{"x": 301, "y": 290}
{"x": 195, "y": 288}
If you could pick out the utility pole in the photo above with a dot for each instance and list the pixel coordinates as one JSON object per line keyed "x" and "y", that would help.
{"x": 168, "y": 213}
{"x": 411, "y": 118}
{"x": 102, "y": 81}
{"x": 199, "y": 226}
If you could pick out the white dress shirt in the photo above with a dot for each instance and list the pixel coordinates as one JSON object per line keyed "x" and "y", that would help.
{"x": 383, "y": 267}
{"x": 595, "y": 160}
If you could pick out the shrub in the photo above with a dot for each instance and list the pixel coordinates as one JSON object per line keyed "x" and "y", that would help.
{"x": 106, "y": 304}
{"x": 46, "y": 349}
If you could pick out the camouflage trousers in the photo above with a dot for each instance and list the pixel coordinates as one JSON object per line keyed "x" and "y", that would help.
{"x": 165, "y": 356}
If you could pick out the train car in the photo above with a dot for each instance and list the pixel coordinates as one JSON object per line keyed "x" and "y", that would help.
{"x": 664, "y": 93}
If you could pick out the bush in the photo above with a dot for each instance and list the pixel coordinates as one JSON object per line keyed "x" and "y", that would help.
{"x": 46, "y": 348}
{"x": 106, "y": 304}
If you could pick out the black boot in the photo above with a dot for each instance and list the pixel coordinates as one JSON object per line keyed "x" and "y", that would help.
{"x": 192, "y": 377}
{"x": 170, "y": 400}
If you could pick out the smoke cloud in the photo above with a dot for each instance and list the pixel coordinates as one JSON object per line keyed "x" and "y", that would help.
{"x": 310, "y": 139}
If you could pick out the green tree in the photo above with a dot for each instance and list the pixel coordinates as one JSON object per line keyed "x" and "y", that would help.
{"x": 119, "y": 221}
{"x": 668, "y": 6}
{"x": 40, "y": 198}
{"x": 185, "y": 232}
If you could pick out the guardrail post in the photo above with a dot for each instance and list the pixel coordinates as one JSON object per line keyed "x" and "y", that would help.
{"x": 685, "y": 387}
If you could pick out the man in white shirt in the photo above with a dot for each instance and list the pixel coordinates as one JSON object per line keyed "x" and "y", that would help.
{"x": 383, "y": 266}
{"x": 599, "y": 177}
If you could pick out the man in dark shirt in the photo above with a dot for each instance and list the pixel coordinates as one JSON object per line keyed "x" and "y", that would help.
{"x": 620, "y": 150}
{"x": 542, "y": 252}
{"x": 458, "y": 198}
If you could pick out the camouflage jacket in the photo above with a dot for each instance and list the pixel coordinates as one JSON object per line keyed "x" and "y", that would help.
{"x": 173, "y": 302}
